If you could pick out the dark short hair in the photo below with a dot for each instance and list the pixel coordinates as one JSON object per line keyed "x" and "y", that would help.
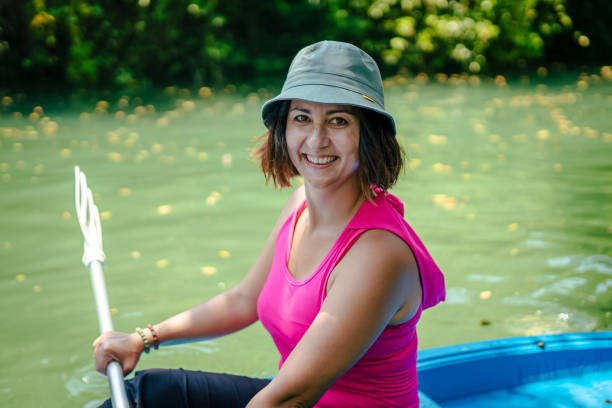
{"x": 381, "y": 158}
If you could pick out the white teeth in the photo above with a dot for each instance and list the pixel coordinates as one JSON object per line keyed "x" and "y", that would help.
{"x": 320, "y": 160}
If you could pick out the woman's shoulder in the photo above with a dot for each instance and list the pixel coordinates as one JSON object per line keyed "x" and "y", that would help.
{"x": 383, "y": 261}
{"x": 384, "y": 246}
{"x": 378, "y": 250}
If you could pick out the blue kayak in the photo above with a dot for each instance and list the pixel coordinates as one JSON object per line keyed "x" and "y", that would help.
{"x": 549, "y": 371}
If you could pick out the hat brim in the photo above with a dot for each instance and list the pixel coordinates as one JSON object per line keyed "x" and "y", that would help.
{"x": 324, "y": 94}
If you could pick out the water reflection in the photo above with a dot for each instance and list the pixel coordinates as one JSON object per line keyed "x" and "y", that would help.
{"x": 486, "y": 278}
{"x": 562, "y": 298}
{"x": 535, "y": 240}
{"x": 580, "y": 263}
{"x": 549, "y": 321}
{"x": 562, "y": 287}
{"x": 86, "y": 379}
{"x": 456, "y": 296}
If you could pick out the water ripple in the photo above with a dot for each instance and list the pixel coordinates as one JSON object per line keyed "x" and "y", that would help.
{"x": 562, "y": 287}
{"x": 551, "y": 320}
{"x": 131, "y": 315}
{"x": 564, "y": 261}
{"x": 603, "y": 286}
{"x": 457, "y": 296}
{"x": 94, "y": 403}
{"x": 597, "y": 263}
{"x": 486, "y": 278}
{"x": 536, "y": 243}
{"x": 208, "y": 347}
{"x": 521, "y": 300}
{"x": 86, "y": 379}
{"x": 535, "y": 240}
{"x": 581, "y": 263}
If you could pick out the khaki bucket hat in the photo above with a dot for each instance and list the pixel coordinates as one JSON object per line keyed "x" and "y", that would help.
{"x": 333, "y": 72}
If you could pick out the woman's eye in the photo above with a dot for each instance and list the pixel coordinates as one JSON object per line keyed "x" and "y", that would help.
{"x": 301, "y": 118}
{"x": 338, "y": 121}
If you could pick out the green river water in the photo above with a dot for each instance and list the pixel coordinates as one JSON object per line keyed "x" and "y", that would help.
{"x": 510, "y": 187}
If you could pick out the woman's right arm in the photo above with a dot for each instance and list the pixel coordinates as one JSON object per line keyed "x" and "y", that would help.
{"x": 230, "y": 311}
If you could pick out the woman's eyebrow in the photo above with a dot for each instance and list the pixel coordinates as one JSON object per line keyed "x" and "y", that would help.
{"x": 331, "y": 112}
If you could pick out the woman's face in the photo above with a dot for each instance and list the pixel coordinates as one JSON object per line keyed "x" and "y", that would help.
{"x": 323, "y": 142}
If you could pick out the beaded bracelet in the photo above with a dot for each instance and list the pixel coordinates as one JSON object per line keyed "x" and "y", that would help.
{"x": 155, "y": 336}
{"x": 144, "y": 339}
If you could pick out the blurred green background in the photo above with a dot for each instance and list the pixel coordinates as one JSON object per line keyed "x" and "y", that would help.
{"x": 502, "y": 107}
{"x": 138, "y": 43}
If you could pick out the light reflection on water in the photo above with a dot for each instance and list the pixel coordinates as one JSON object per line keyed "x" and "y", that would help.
{"x": 579, "y": 277}
{"x": 574, "y": 277}
{"x": 86, "y": 379}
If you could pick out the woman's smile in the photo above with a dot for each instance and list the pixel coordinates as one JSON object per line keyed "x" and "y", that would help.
{"x": 319, "y": 160}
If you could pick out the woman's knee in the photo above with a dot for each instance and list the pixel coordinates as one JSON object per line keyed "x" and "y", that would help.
{"x": 184, "y": 388}
{"x": 160, "y": 388}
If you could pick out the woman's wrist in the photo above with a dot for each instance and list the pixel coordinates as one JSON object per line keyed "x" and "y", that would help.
{"x": 155, "y": 336}
{"x": 148, "y": 338}
{"x": 136, "y": 339}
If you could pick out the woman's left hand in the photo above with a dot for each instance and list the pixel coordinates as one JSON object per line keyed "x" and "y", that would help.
{"x": 115, "y": 346}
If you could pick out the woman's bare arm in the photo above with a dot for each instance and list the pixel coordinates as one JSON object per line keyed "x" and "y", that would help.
{"x": 225, "y": 313}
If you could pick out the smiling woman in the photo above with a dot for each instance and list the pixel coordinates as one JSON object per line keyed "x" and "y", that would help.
{"x": 342, "y": 279}
{"x": 380, "y": 157}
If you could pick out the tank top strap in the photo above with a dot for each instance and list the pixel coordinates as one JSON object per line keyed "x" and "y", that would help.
{"x": 287, "y": 230}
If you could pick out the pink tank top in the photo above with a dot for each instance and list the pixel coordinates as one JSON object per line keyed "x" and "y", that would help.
{"x": 385, "y": 376}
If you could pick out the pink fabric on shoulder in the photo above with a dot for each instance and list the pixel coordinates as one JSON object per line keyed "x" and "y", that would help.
{"x": 385, "y": 376}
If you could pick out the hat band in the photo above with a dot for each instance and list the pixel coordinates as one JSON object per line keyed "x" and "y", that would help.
{"x": 334, "y": 80}
{"x": 339, "y": 101}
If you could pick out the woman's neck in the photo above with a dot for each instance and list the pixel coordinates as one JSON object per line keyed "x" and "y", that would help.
{"x": 332, "y": 207}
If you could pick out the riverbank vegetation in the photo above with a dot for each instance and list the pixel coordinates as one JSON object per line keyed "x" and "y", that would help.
{"x": 129, "y": 44}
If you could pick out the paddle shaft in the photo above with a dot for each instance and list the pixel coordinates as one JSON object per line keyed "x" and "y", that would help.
{"x": 113, "y": 370}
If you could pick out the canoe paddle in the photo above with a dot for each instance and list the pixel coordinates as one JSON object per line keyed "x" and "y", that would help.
{"x": 93, "y": 258}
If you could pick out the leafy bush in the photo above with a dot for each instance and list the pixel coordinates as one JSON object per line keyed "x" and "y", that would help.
{"x": 140, "y": 43}
{"x": 454, "y": 35}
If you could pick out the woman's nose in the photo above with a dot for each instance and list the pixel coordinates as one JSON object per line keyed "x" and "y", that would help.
{"x": 318, "y": 137}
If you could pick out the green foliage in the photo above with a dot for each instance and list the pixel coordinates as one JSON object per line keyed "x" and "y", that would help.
{"x": 465, "y": 35}
{"x": 138, "y": 43}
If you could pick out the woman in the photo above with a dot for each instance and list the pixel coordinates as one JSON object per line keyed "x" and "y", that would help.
{"x": 342, "y": 279}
